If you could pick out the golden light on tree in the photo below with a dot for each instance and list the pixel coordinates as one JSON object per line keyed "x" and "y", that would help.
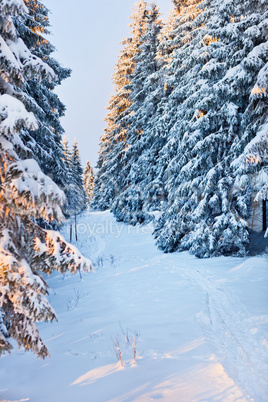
{"x": 258, "y": 91}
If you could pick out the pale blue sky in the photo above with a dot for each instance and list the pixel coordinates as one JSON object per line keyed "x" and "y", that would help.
{"x": 87, "y": 34}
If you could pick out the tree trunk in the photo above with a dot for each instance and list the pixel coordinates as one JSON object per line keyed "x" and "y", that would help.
{"x": 71, "y": 231}
{"x": 264, "y": 216}
{"x": 75, "y": 226}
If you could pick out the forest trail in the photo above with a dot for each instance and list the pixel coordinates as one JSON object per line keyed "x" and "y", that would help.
{"x": 201, "y": 326}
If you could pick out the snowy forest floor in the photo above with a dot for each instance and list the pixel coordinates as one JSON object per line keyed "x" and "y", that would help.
{"x": 201, "y": 326}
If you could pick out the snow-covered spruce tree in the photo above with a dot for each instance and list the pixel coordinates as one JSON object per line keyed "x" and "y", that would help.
{"x": 39, "y": 97}
{"x": 88, "y": 183}
{"x": 67, "y": 158}
{"x": 74, "y": 190}
{"x": 145, "y": 96}
{"x": 153, "y": 194}
{"x": 68, "y": 189}
{"x": 207, "y": 214}
{"x": 251, "y": 167}
{"x": 26, "y": 250}
{"x": 108, "y": 180}
{"x": 77, "y": 173}
{"x": 166, "y": 37}
{"x": 176, "y": 46}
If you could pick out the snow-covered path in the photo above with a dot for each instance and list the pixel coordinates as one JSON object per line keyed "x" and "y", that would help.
{"x": 201, "y": 326}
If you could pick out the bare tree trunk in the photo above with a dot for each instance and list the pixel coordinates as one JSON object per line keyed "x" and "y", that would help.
{"x": 75, "y": 226}
{"x": 71, "y": 232}
{"x": 264, "y": 216}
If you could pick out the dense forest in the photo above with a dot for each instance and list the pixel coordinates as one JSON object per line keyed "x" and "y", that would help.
{"x": 187, "y": 126}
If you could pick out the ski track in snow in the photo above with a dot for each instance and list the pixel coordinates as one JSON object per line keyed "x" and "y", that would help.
{"x": 231, "y": 337}
{"x": 200, "y": 338}
{"x": 241, "y": 354}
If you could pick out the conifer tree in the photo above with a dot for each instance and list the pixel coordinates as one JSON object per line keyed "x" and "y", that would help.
{"x": 77, "y": 175}
{"x": 251, "y": 166}
{"x": 216, "y": 73}
{"x": 88, "y": 183}
{"x": 39, "y": 96}
{"x": 69, "y": 185}
{"x": 108, "y": 179}
{"x": 67, "y": 159}
{"x": 156, "y": 114}
{"x": 145, "y": 95}
{"x": 74, "y": 181}
{"x": 27, "y": 194}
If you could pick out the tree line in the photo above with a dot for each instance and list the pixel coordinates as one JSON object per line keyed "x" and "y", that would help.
{"x": 186, "y": 130}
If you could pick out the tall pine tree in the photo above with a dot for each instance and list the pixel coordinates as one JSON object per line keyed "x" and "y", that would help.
{"x": 88, "y": 183}
{"x": 77, "y": 174}
{"x": 27, "y": 194}
{"x": 108, "y": 181}
{"x": 74, "y": 190}
{"x": 39, "y": 96}
{"x": 145, "y": 96}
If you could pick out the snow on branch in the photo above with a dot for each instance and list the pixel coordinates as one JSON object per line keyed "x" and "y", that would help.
{"x": 10, "y": 66}
{"x": 256, "y": 150}
{"x": 25, "y": 332}
{"x": 260, "y": 89}
{"x": 258, "y": 147}
{"x": 31, "y": 192}
{"x": 14, "y": 116}
{"x": 31, "y": 65}
{"x": 262, "y": 194}
{"x": 53, "y": 252}
{"x": 13, "y": 7}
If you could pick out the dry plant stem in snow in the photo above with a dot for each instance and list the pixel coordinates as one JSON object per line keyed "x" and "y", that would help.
{"x": 117, "y": 349}
{"x": 131, "y": 341}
